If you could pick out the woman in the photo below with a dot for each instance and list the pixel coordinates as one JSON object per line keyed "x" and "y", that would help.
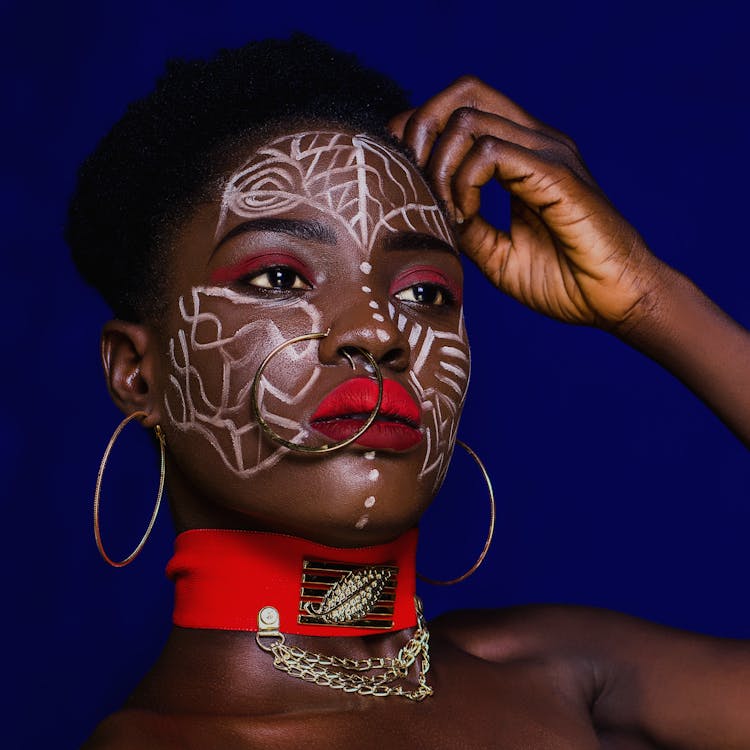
{"x": 287, "y": 295}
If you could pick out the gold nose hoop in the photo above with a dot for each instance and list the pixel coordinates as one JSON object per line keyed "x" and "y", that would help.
{"x": 329, "y": 447}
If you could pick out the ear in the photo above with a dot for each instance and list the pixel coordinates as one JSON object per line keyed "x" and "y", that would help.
{"x": 129, "y": 356}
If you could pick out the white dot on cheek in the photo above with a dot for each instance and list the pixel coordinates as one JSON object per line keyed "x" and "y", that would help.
{"x": 370, "y": 501}
{"x": 374, "y": 305}
{"x": 373, "y": 475}
{"x": 378, "y": 317}
{"x": 370, "y": 455}
{"x": 382, "y": 335}
{"x": 366, "y": 289}
{"x": 365, "y": 267}
{"x": 361, "y": 523}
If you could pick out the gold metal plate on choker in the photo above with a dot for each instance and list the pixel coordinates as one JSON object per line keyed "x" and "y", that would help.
{"x": 347, "y": 594}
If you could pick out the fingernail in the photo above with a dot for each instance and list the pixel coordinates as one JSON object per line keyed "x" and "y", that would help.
{"x": 459, "y": 217}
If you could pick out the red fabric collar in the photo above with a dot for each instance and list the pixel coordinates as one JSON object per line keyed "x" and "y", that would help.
{"x": 223, "y": 578}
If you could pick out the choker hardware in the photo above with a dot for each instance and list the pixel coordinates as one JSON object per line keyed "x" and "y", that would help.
{"x": 342, "y": 673}
{"x": 347, "y": 595}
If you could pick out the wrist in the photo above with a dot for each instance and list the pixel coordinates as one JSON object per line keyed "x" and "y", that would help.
{"x": 665, "y": 296}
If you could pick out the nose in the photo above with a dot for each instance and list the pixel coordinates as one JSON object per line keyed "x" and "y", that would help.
{"x": 368, "y": 325}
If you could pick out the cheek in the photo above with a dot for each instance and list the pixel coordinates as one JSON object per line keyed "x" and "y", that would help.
{"x": 440, "y": 376}
{"x": 222, "y": 339}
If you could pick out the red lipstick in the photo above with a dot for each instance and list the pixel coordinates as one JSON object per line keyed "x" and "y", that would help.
{"x": 344, "y": 410}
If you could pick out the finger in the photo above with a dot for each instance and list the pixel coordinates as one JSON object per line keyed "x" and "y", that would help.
{"x": 551, "y": 189}
{"x": 522, "y": 171}
{"x": 462, "y": 130}
{"x": 495, "y": 252}
{"x": 397, "y": 124}
{"x": 487, "y": 246}
{"x": 429, "y": 120}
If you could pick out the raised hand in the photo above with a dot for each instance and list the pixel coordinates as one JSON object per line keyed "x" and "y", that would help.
{"x": 567, "y": 252}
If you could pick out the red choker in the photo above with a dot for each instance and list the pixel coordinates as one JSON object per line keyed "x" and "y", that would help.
{"x": 224, "y": 578}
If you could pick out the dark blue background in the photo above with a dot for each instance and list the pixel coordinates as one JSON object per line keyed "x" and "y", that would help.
{"x": 616, "y": 487}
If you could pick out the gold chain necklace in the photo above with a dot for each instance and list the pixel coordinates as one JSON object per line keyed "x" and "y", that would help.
{"x": 345, "y": 674}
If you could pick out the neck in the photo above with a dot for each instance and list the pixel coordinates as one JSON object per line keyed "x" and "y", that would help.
{"x": 228, "y": 580}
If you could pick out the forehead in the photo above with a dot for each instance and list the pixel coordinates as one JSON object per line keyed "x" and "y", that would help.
{"x": 366, "y": 187}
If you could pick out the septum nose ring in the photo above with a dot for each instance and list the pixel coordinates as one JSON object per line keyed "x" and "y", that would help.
{"x": 329, "y": 447}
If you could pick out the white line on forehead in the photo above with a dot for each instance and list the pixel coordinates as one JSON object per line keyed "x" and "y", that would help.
{"x": 299, "y": 169}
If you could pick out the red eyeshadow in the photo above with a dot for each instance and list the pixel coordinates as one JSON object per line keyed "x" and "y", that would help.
{"x": 257, "y": 263}
{"x": 426, "y": 275}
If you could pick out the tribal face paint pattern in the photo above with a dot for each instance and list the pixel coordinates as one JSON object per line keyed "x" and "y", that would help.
{"x": 222, "y": 415}
{"x": 367, "y": 190}
{"x": 442, "y": 391}
{"x": 344, "y": 176}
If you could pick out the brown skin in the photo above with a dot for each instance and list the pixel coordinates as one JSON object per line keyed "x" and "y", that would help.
{"x": 534, "y": 677}
{"x": 210, "y": 494}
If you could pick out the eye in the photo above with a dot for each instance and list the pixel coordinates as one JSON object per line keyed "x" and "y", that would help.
{"x": 277, "y": 277}
{"x": 265, "y": 273}
{"x": 425, "y": 294}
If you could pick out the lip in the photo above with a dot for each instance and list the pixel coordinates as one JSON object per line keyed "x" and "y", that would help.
{"x": 346, "y": 408}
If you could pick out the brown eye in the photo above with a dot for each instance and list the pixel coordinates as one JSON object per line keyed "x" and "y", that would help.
{"x": 278, "y": 277}
{"x": 424, "y": 294}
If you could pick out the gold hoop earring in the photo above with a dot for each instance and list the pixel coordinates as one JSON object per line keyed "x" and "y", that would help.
{"x": 97, "y": 493}
{"x": 490, "y": 532}
{"x": 328, "y": 448}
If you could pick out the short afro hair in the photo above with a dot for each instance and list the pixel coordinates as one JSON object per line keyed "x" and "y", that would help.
{"x": 162, "y": 155}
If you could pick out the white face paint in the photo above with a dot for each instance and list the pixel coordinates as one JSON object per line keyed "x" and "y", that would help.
{"x": 350, "y": 181}
{"x": 441, "y": 405}
{"x": 345, "y": 177}
{"x": 223, "y": 411}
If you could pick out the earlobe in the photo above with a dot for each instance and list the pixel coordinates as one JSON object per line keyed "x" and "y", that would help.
{"x": 128, "y": 353}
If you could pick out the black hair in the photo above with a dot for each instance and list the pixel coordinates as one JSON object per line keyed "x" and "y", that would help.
{"x": 162, "y": 155}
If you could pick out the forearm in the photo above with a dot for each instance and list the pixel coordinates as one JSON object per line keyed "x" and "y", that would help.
{"x": 685, "y": 332}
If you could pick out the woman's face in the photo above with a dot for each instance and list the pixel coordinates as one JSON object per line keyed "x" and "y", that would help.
{"x": 315, "y": 231}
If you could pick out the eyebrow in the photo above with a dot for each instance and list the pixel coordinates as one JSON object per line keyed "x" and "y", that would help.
{"x": 302, "y": 230}
{"x": 417, "y": 241}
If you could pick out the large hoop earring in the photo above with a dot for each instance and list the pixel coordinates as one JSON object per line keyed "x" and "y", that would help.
{"x": 97, "y": 493}
{"x": 490, "y": 532}
{"x": 327, "y": 448}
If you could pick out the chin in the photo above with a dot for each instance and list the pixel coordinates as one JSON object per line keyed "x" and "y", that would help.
{"x": 354, "y": 525}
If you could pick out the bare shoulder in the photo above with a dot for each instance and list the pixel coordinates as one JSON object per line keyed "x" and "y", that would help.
{"x": 549, "y": 630}
{"x": 530, "y": 632}
{"x": 137, "y": 729}
{"x": 631, "y": 672}
{"x": 128, "y": 729}
{"x": 530, "y": 647}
